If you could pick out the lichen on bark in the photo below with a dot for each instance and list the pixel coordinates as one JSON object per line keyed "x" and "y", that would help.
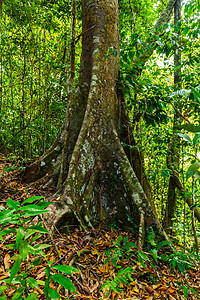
{"x": 98, "y": 182}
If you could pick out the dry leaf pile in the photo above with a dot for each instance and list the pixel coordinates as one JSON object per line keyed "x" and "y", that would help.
{"x": 85, "y": 251}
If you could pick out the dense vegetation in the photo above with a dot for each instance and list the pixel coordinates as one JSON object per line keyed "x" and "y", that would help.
{"x": 35, "y": 71}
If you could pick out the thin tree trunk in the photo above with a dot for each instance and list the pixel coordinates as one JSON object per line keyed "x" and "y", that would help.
{"x": 174, "y": 147}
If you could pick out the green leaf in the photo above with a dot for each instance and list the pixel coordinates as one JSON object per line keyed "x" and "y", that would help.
{"x": 143, "y": 256}
{"x": 3, "y": 298}
{"x": 196, "y": 139}
{"x": 32, "y": 282}
{"x": 18, "y": 293}
{"x": 5, "y": 232}
{"x": 7, "y": 169}
{"x": 24, "y": 249}
{"x": 53, "y": 294}
{"x": 32, "y": 199}
{"x": 65, "y": 269}
{"x": 12, "y": 204}
{"x": 34, "y": 213}
{"x": 41, "y": 247}
{"x": 182, "y": 93}
{"x": 185, "y": 291}
{"x": 32, "y": 296}
{"x": 188, "y": 127}
{"x": 3, "y": 288}
{"x": 129, "y": 245}
{"x": 196, "y": 93}
{"x": 15, "y": 269}
{"x": 120, "y": 238}
{"x": 193, "y": 291}
{"x": 39, "y": 229}
{"x": 154, "y": 253}
{"x": 192, "y": 170}
{"x": 8, "y": 216}
{"x": 185, "y": 137}
{"x": 35, "y": 238}
{"x": 20, "y": 235}
{"x": 65, "y": 282}
{"x": 36, "y": 262}
{"x": 181, "y": 267}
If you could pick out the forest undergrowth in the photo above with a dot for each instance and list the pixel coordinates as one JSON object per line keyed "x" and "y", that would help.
{"x": 108, "y": 262}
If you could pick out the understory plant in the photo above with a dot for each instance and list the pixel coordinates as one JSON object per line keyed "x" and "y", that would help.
{"x": 16, "y": 221}
{"x": 123, "y": 249}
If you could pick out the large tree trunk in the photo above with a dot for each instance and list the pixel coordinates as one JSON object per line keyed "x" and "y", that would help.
{"x": 96, "y": 179}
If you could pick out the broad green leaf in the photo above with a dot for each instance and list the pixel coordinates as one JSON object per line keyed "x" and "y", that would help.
{"x": 182, "y": 93}
{"x": 12, "y": 204}
{"x": 35, "y": 238}
{"x": 197, "y": 174}
{"x": 193, "y": 291}
{"x": 24, "y": 249}
{"x": 33, "y": 229}
{"x": 32, "y": 282}
{"x": 18, "y": 293}
{"x": 154, "y": 253}
{"x": 130, "y": 245}
{"x": 7, "y": 169}
{"x": 34, "y": 213}
{"x": 5, "y": 232}
{"x": 42, "y": 246}
{"x": 20, "y": 235}
{"x": 7, "y": 216}
{"x": 15, "y": 269}
{"x": 188, "y": 127}
{"x": 39, "y": 229}
{"x": 181, "y": 267}
{"x": 196, "y": 139}
{"x": 185, "y": 137}
{"x": 143, "y": 256}
{"x": 32, "y": 296}
{"x": 162, "y": 244}
{"x": 32, "y": 199}
{"x": 12, "y": 246}
{"x": 65, "y": 282}
{"x": 65, "y": 269}
{"x": 53, "y": 294}
{"x": 196, "y": 93}
{"x": 119, "y": 238}
{"x": 3, "y": 288}
{"x": 3, "y": 297}
{"x": 30, "y": 207}
{"x": 36, "y": 262}
{"x": 192, "y": 170}
{"x": 185, "y": 291}
{"x": 36, "y": 252}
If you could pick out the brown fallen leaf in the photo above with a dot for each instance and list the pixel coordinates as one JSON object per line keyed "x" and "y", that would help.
{"x": 149, "y": 289}
{"x": 6, "y": 261}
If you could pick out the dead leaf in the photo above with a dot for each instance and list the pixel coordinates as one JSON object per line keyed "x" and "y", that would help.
{"x": 6, "y": 259}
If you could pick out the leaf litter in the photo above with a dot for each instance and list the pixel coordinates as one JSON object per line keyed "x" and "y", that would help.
{"x": 86, "y": 252}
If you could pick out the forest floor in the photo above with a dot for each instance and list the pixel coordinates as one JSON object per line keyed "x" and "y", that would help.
{"x": 86, "y": 252}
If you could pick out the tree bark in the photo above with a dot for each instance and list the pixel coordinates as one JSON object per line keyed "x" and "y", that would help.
{"x": 99, "y": 184}
{"x": 174, "y": 147}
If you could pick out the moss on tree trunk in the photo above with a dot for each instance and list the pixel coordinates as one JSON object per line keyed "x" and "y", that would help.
{"x": 97, "y": 182}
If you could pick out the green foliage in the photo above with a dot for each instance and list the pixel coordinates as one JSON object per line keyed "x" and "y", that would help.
{"x": 26, "y": 238}
{"x": 175, "y": 259}
{"x": 124, "y": 276}
{"x": 121, "y": 249}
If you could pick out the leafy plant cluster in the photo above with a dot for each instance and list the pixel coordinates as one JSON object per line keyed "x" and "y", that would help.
{"x": 124, "y": 250}
{"x": 34, "y": 71}
{"x": 26, "y": 239}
